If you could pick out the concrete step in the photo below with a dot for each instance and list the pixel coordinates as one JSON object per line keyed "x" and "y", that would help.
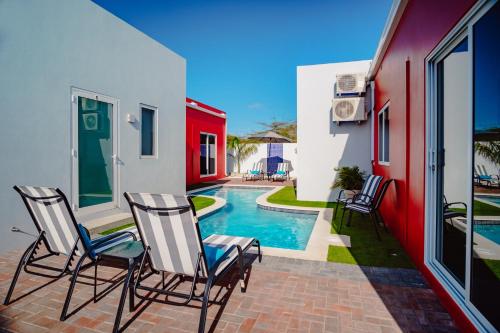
{"x": 105, "y": 220}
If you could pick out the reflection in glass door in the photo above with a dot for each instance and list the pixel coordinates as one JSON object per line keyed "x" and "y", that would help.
{"x": 452, "y": 168}
{"x": 463, "y": 185}
{"x": 485, "y": 246}
{"x": 95, "y": 152}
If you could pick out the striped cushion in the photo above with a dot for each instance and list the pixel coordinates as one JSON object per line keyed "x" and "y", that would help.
{"x": 172, "y": 236}
{"x": 223, "y": 243}
{"x": 358, "y": 208}
{"x": 53, "y": 217}
{"x": 369, "y": 189}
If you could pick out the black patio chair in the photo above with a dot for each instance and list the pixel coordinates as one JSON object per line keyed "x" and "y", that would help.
{"x": 169, "y": 230}
{"x": 370, "y": 187}
{"x": 370, "y": 207}
{"x": 60, "y": 234}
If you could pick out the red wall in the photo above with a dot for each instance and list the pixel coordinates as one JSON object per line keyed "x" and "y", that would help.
{"x": 401, "y": 80}
{"x": 196, "y": 122}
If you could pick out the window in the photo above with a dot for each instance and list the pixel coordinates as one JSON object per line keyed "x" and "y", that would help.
{"x": 463, "y": 121}
{"x": 148, "y": 131}
{"x": 207, "y": 154}
{"x": 383, "y": 136}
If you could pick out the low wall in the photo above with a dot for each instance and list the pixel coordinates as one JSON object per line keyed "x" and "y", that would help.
{"x": 289, "y": 155}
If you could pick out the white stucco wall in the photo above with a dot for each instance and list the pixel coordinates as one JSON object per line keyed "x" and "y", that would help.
{"x": 289, "y": 156}
{"x": 46, "y": 48}
{"x": 322, "y": 145}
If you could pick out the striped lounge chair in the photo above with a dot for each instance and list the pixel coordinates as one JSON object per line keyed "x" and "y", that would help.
{"x": 255, "y": 173}
{"x": 281, "y": 172}
{"x": 367, "y": 193}
{"x": 482, "y": 177}
{"x": 368, "y": 206}
{"x": 169, "y": 230}
{"x": 60, "y": 234}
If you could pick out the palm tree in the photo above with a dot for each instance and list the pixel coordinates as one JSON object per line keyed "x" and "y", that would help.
{"x": 489, "y": 150}
{"x": 242, "y": 149}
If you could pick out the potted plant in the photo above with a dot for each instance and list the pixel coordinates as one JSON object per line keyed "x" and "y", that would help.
{"x": 350, "y": 179}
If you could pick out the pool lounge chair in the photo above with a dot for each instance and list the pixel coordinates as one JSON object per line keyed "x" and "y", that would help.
{"x": 482, "y": 177}
{"x": 281, "y": 173}
{"x": 367, "y": 205}
{"x": 60, "y": 234}
{"x": 370, "y": 187}
{"x": 255, "y": 173}
{"x": 169, "y": 230}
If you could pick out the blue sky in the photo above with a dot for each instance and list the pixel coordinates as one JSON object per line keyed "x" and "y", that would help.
{"x": 242, "y": 55}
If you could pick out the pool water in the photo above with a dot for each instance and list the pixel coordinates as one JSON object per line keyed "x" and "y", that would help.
{"x": 242, "y": 217}
{"x": 490, "y": 231}
{"x": 491, "y": 198}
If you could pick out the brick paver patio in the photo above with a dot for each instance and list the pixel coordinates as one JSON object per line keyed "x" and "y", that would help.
{"x": 239, "y": 181}
{"x": 284, "y": 295}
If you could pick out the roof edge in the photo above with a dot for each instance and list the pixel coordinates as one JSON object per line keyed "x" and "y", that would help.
{"x": 397, "y": 9}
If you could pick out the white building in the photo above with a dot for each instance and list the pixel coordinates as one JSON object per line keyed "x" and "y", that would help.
{"x": 322, "y": 144}
{"x": 90, "y": 105}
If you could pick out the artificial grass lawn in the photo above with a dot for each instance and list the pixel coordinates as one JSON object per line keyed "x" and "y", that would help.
{"x": 199, "y": 203}
{"x": 286, "y": 196}
{"x": 365, "y": 248}
{"x": 482, "y": 209}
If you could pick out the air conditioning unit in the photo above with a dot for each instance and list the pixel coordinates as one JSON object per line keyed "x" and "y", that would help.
{"x": 350, "y": 84}
{"x": 348, "y": 109}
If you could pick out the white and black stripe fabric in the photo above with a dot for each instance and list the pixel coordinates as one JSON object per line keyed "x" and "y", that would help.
{"x": 172, "y": 236}
{"x": 224, "y": 242}
{"x": 283, "y": 168}
{"x": 52, "y": 217}
{"x": 359, "y": 208}
{"x": 369, "y": 189}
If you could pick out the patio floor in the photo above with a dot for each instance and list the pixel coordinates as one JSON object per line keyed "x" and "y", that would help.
{"x": 239, "y": 181}
{"x": 283, "y": 295}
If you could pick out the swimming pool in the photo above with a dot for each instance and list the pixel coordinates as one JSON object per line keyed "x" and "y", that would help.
{"x": 490, "y": 231}
{"x": 494, "y": 199}
{"x": 242, "y": 217}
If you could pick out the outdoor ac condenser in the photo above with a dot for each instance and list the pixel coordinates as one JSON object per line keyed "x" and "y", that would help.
{"x": 348, "y": 109}
{"x": 350, "y": 84}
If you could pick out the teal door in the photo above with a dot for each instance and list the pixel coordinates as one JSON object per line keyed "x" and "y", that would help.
{"x": 95, "y": 155}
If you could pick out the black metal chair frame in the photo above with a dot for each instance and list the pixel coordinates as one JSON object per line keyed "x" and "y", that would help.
{"x": 29, "y": 257}
{"x": 372, "y": 206}
{"x": 211, "y": 280}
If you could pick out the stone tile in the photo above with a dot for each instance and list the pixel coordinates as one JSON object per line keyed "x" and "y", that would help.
{"x": 283, "y": 295}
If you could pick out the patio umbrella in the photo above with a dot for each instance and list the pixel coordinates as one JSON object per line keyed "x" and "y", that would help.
{"x": 269, "y": 137}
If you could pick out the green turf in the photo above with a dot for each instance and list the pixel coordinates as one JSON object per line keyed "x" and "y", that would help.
{"x": 481, "y": 209}
{"x": 199, "y": 203}
{"x": 365, "y": 248}
{"x": 286, "y": 196}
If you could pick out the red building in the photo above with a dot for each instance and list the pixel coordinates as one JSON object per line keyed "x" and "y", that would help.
{"x": 436, "y": 88}
{"x": 205, "y": 142}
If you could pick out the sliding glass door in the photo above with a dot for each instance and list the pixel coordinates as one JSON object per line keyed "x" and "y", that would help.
{"x": 463, "y": 185}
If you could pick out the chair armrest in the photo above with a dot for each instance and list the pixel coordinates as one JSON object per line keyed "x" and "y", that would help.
{"x": 455, "y": 203}
{"x": 340, "y": 193}
{"x": 112, "y": 236}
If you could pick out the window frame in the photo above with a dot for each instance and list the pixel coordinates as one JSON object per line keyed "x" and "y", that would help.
{"x": 207, "y": 159}
{"x": 381, "y": 137}
{"x": 155, "y": 131}
{"x": 461, "y": 295}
